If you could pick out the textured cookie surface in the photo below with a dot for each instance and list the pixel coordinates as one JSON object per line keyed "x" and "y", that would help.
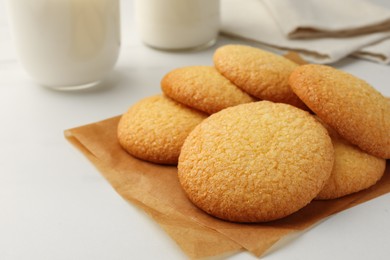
{"x": 348, "y": 104}
{"x": 353, "y": 169}
{"x": 260, "y": 73}
{"x": 203, "y": 88}
{"x": 255, "y": 162}
{"x": 154, "y": 129}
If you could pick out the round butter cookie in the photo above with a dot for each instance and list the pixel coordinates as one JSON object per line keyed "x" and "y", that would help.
{"x": 203, "y": 88}
{"x": 255, "y": 162}
{"x": 349, "y": 105}
{"x": 353, "y": 169}
{"x": 260, "y": 73}
{"x": 154, "y": 129}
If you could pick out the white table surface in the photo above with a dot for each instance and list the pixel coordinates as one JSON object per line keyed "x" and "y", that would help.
{"x": 55, "y": 205}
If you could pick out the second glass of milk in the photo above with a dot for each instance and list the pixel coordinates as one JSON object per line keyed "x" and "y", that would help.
{"x": 177, "y": 24}
{"x": 66, "y": 44}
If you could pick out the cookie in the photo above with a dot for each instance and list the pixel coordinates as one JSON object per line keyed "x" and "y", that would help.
{"x": 255, "y": 162}
{"x": 352, "y": 107}
{"x": 203, "y": 88}
{"x": 154, "y": 129}
{"x": 260, "y": 73}
{"x": 353, "y": 169}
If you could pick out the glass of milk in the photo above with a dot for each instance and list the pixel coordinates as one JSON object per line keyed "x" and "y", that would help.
{"x": 177, "y": 24}
{"x": 66, "y": 44}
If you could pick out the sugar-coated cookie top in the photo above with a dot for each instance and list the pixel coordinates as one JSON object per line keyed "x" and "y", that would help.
{"x": 255, "y": 162}
{"x": 260, "y": 73}
{"x": 352, "y": 107}
{"x": 154, "y": 129}
{"x": 353, "y": 169}
{"x": 203, "y": 88}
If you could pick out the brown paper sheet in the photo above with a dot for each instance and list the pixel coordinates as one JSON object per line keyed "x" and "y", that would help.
{"x": 156, "y": 190}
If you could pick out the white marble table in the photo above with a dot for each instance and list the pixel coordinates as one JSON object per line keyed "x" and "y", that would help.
{"x": 55, "y": 205}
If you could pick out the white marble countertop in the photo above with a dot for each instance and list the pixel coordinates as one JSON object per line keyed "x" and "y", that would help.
{"x": 55, "y": 205}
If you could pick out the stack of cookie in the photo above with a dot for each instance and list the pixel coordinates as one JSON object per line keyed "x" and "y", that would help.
{"x": 257, "y": 137}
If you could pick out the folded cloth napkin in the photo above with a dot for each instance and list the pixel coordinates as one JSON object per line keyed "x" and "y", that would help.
{"x": 322, "y": 31}
{"x": 330, "y": 18}
{"x": 379, "y": 52}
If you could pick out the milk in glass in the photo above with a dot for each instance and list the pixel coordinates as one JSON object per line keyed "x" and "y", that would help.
{"x": 66, "y": 43}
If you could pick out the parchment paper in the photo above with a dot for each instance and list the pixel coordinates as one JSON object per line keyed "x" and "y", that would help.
{"x": 156, "y": 190}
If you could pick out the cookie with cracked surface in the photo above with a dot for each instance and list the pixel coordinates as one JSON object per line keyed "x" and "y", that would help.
{"x": 260, "y": 73}
{"x": 203, "y": 88}
{"x": 353, "y": 169}
{"x": 154, "y": 129}
{"x": 255, "y": 162}
{"x": 349, "y": 105}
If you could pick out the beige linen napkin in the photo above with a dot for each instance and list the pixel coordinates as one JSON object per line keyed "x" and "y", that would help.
{"x": 336, "y": 18}
{"x": 331, "y": 31}
{"x": 379, "y": 52}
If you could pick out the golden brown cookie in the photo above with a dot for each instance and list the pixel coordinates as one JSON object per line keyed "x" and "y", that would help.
{"x": 203, "y": 88}
{"x": 346, "y": 103}
{"x": 353, "y": 169}
{"x": 260, "y": 73}
{"x": 154, "y": 129}
{"x": 255, "y": 162}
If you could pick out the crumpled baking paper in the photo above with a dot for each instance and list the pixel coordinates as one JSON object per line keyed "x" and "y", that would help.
{"x": 156, "y": 189}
